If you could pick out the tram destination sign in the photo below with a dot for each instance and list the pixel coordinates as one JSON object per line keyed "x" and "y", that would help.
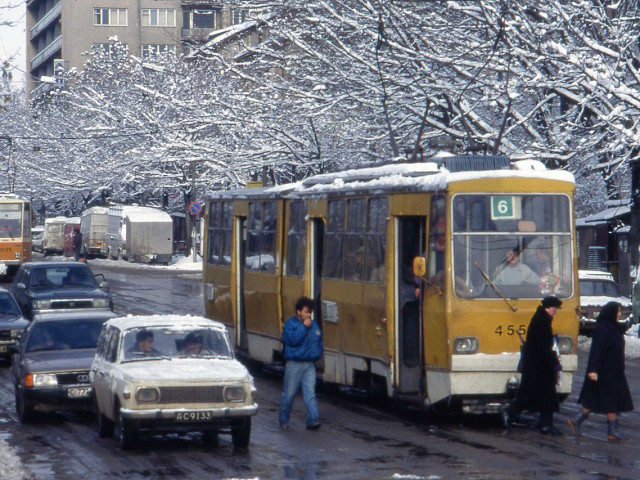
{"x": 505, "y": 208}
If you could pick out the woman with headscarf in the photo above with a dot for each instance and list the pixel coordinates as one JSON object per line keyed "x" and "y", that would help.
{"x": 605, "y": 389}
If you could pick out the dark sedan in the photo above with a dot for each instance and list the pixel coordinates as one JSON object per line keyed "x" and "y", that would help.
{"x": 12, "y": 323}
{"x": 50, "y": 286}
{"x": 50, "y": 369}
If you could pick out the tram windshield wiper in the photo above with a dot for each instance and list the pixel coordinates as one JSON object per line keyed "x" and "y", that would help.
{"x": 495, "y": 287}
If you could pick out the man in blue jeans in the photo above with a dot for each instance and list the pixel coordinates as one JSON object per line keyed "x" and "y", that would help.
{"x": 302, "y": 339}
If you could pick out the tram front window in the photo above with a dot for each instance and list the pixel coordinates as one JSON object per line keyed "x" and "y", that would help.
{"x": 518, "y": 246}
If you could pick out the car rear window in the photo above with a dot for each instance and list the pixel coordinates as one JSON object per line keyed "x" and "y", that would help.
{"x": 598, "y": 288}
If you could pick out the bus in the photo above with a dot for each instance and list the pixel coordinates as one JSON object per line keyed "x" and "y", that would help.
{"x": 15, "y": 232}
{"x": 402, "y": 262}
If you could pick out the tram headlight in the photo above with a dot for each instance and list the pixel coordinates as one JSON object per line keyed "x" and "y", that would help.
{"x": 565, "y": 344}
{"x": 465, "y": 345}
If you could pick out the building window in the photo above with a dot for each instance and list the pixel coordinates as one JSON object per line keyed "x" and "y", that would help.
{"x": 200, "y": 18}
{"x": 240, "y": 15}
{"x": 107, "y": 48}
{"x": 115, "y": 17}
{"x": 153, "y": 49}
{"x": 158, "y": 17}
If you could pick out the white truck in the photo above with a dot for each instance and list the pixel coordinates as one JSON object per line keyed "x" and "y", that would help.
{"x": 139, "y": 234}
{"x": 53, "y": 236}
{"x": 93, "y": 228}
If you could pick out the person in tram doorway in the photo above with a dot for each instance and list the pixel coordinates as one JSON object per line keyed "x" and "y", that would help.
{"x": 302, "y": 339}
{"x": 540, "y": 369}
{"x": 605, "y": 389}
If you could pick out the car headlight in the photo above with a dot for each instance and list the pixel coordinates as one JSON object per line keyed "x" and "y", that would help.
{"x": 234, "y": 394}
{"x": 41, "y": 304}
{"x": 147, "y": 395}
{"x": 101, "y": 303}
{"x": 465, "y": 345}
{"x": 565, "y": 344}
{"x": 37, "y": 380}
{"x": 15, "y": 333}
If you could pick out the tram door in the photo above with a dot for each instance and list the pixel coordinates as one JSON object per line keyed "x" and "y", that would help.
{"x": 317, "y": 249}
{"x": 240, "y": 236}
{"x": 410, "y": 241}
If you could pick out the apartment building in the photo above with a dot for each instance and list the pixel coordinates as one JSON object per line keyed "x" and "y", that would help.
{"x": 60, "y": 32}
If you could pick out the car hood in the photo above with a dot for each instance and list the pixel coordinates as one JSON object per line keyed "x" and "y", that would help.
{"x": 602, "y": 301}
{"x": 59, "y": 360}
{"x": 184, "y": 370}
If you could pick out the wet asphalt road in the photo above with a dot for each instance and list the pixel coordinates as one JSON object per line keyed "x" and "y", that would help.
{"x": 357, "y": 440}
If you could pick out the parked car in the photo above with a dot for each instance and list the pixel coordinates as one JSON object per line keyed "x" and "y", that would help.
{"x": 596, "y": 290}
{"x": 45, "y": 286}
{"x": 50, "y": 367}
{"x": 145, "y": 379}
{"x": 12, "y": 323}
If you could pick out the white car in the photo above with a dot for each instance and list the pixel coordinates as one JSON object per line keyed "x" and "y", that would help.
{"x": 596, "y": 290}
{"x": 145, "y": 378}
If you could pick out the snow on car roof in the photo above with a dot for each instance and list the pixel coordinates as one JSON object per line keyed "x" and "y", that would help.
{"x": 594, "y": 275}
{"x": 139, "y": 321}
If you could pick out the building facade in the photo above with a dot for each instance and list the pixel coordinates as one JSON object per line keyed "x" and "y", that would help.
{"x": 61, "y": 32}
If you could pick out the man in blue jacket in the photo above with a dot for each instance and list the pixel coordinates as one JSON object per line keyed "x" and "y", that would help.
{"x": 302, "y": 339}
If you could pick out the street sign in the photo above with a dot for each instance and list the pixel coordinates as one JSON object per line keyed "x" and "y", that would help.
{"x": 195, "y": 208}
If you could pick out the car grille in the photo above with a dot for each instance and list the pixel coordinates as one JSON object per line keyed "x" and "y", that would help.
{"x": 65, "y": 304}
{"x": 206, "y": 394}
{"x": 5, "y": 334}
{"x": 73, "y": 378}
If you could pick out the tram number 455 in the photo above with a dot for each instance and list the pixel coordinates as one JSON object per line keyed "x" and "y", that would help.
{"x": 511, "y": 330}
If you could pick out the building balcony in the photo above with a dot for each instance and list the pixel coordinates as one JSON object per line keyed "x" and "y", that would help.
{"x": 201, "y": 3}
{"x": 47, "y": 53}
{"x": 41, "y": 90}
{"x": 196, "y": 33}
{"x": 45, "y": 21}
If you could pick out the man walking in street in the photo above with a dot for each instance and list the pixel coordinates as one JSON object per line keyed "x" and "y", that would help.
{"x": 302, "y": 339}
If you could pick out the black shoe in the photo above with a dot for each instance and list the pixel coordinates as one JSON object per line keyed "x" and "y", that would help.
{"x": 550, "y": 431}
{"x": 313, "y": 426}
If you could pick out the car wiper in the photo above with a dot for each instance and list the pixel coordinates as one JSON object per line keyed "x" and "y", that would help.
{"x": 144, "y": 359}
{"x": 495, "y": 288}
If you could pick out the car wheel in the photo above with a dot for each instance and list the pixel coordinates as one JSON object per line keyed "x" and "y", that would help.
{"x": 23, "y": 408}
{"x": 126, "y": 433}
{"x": 241, "y": 435}
{"x": 105, "y": 426}
{"x": 210, "y": 438}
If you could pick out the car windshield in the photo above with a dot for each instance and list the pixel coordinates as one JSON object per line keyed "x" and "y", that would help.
{"x": 167, "y": 342}
{"x": 64, "y": 335}
{"x": 8, "y": 306}
{"x": 598, "y": 288}
{"x": 75, "y": 275}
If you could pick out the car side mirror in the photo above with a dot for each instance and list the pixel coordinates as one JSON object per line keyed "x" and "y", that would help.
{"x": 104, "y": 284}
{"x": 21, "y": 286}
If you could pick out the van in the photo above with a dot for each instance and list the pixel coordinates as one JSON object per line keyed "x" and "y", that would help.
{"x": 52, "y": 238}
{"x": 93, "y": 228}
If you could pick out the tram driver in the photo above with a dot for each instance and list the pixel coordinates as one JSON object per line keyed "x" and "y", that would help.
{"x": 512, "y": 271}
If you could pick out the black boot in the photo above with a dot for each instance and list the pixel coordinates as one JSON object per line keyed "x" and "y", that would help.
{"x": 613, "y": 431}
{"x": 576, "y": 422}
{"x": 546, "y": 424}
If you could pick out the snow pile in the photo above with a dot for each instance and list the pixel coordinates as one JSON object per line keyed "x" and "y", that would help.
{"x": 178, "y": 263}
{"x": 10, "y": 466}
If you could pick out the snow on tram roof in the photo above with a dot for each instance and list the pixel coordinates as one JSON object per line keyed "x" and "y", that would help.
{"x": 428, "y": 176}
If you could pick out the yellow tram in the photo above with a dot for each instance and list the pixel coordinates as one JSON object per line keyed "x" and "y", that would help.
{"x": 15, "y": 232}
{"x": 407, "y": 265}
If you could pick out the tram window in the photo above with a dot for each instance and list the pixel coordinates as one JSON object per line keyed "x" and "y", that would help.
{"x": 354, "y": 239}
{"x": 332, "y": 267}
{"x": 261, "y": 236}
{"x": 296, "y": 239}
{"x": 543, "y": 248}
{"x": 375, "y": 239}
{"x": 220, "y": 225}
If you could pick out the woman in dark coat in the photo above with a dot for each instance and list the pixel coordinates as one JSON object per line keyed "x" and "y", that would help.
{"x": 605, "y": 389}
{"x": 540, "y": 367}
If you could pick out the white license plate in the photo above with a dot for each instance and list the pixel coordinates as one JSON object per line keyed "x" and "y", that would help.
{"x": 80, "y": 392}
{"x": 3, "y": 268}
{"x": 194, "y": 416}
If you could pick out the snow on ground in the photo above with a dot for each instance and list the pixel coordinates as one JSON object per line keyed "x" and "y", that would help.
{"x": 178, "y": 262}
{"x": 10, "y": 466}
